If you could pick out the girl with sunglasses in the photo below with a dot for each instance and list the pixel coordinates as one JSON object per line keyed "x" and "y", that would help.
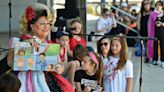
{"x": 103, "y": 47}
{"x": 118, "y": 70}
{"x": 89, "y": 78}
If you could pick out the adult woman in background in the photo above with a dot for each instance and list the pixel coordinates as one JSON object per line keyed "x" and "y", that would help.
{"x": 152, "y": 32}
{"x": 143, "y": 20}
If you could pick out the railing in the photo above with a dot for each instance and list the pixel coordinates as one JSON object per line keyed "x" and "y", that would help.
{"x": 107, "y": 5}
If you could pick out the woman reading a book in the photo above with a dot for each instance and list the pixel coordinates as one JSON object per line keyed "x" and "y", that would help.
{"x": 35, "y": 25}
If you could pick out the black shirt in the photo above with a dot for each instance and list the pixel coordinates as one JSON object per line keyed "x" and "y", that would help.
{"x": 143, "y": 25}
{"x": 4, "y": 66}
{"x": 84, "y": 79}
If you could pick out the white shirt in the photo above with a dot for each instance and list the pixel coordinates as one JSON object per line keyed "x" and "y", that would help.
{"x": 104, "y": 24}
{"x": 115, "y": 80}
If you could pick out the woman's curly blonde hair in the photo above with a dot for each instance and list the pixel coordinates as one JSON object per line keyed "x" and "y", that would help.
{"x": 39, "y": 10}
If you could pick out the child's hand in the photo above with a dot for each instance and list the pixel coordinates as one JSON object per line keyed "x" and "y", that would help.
{"x": 87, "y": 88}
{"x": 100, "y": 89}
{"x": 59, "y": 69}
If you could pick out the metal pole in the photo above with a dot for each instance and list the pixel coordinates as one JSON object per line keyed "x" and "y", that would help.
{"x": 122, "y": 36}
{"x": 10, "y": 18}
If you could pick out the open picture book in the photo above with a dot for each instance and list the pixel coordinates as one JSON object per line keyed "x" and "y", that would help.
{"x": 42, "y": 57}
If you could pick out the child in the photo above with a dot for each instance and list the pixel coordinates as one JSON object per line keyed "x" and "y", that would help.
{"x": 63, "y": 40}
{"x": 159, "y": 32}
{"x": 70, "y": 68}
{"x": 76, "y": 38}
{"x": 30, "y": 64}
{"x": 118, "y": 70}
{"x": 43, "y": 61}
{"x": 103, "y": 47}
{"x": 9, "y": 83}
{"x": 20, "y": 61}
{"x": 89, "y": 78}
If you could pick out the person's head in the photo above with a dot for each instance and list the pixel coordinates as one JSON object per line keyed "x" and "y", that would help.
{"x": 42, "y": 56}
{"x": 77, "y": 23}
{"x": 114, "y": 10}
{"x": 30, "y": 61}
{"x": 59, "y": 68}
{"x": 79, "y": 51}
{"x": 62, "y": 38}
{"x": 37, "y": 19}
{"x": 21, "y": 52}
{"x": 20, "y": 60}
{"x": 134, "y": 12}
{"x": 124, "y": 6}
{"x": 105, "y": 13}
{"x": 9, "y": 83}
{"x": 145, "y": 6}
{"x": 103, "y": 46}
{"x": 50, "y": 67}
{"x": 93, "y": 62}
{"x": 119, "y": 49}
{"x": 159, "y": 5}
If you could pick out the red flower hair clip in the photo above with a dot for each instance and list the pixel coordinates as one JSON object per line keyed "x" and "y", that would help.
{"x": 30, "y": 14}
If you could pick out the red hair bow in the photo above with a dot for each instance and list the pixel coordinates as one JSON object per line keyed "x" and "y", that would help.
{"x": 30, "y": 14}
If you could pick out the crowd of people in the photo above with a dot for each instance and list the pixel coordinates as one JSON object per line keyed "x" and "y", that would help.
{"x": 148, "y": 23}
{"x": 80, "y": 68}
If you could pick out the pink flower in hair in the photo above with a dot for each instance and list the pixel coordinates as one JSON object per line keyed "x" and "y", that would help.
{"x": 30, "y": 14}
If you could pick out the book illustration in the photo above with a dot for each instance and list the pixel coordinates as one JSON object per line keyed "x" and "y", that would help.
{"x": 42, "y": 57}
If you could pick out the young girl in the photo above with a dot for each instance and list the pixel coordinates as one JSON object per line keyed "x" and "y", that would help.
{"x": 159, "y": 32}
{"x": 118, "y": 70}
{"x": 76, "y": 39}
{"x": 103, "y": 47}
{"x": 70, "y": 68}
{"x": 89, "y": 78}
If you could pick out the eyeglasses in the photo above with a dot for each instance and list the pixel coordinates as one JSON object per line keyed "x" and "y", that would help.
{"x": 105, "y": 44}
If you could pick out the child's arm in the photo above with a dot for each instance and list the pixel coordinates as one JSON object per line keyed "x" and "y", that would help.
{"x": 78, "y": 87}
{"x": 69, "y": 52}
{"x": 129, "y": 76}
{"x": 10, "y": 57}
{"x": 129, "y": 84}
{"x": 65, "y": 55}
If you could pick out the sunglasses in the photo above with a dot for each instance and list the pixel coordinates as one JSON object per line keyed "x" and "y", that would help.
{"x": 105, "y": 44}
